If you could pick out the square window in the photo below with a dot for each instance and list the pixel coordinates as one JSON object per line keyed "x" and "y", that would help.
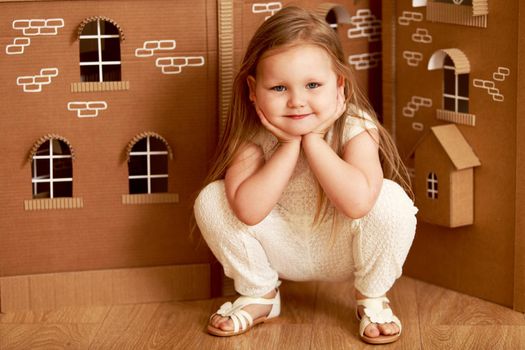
{"x": 137, "y": 186}
{"x": 159, "y": 164}
{"x": 463, "y": 106}
{"x": 111, "y": 72}
{"x": 42, "y": 190}
{"x": 110, "y": 49}
{"x": 449, "y": 104}
{"x": 159, "y": 185}
{"x": 138, "y": 165}
{"x": 62, "y": 189}
{"x": 89, "y": 73}
{"x": 62, "y": 168}
{"x": 89, "y": 50}
{"x": 41, "y": 168}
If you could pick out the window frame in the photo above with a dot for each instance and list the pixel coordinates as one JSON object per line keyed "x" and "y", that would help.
{"x": 35, "y": 179}
{"x": 432, "y": 186}
{"x": 456, "y": 96}
{"x": 101, "y": 63}
{"x": 148, "y": 176}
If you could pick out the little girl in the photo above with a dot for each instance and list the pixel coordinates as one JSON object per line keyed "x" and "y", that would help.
{"x": 297, "y": 190}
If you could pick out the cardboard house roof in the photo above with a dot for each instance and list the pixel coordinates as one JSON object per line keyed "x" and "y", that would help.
{"x": 455, "y": 146}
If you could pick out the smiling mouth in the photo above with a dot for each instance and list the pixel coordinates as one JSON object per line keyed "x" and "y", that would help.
{"x": 297, "y": 116}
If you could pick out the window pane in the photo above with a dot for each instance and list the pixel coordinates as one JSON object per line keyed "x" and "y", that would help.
{"x": 90, "y": 28}
{"x": 40, "y": 168}
{"x": 62, "y": 168}
{"x": 43, "y": 150}
{"x": 42, "y": 190}
{"x": 449, "y": 81}
{"x": 156, "y": 145}
{"x": 89, "y": 73}
{"x": 331, "y": 18}
{"x": 111, "y": 72}
{"x": 159, "y": 164}
{"x": 463, "y": 85}
{"x": 159, "y": 185}
{"x": 449, "y": 104}
{"x": 110, "y": 49}
{"x": 88, "y": 50}
{"x": 456, "y": 2}
{"x": 138, "y": 165}
{"x": 60, "y": 148}
{"x": 138, "y": 186}
{"x": 448, "y": 61}
{"x": 63, "y": 189}
{"x": 140, "y": 146}
{"x": 108, "y": 28}
{"x": 463, "y": 106}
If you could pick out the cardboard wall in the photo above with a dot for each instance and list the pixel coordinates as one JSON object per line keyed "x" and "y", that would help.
{"x": 476, "y": 259}
{"x": 105, "y": 233}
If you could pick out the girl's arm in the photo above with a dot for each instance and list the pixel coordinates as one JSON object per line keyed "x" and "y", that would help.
{"x": 352, "y": 183}
{"x": 254, "y": 186}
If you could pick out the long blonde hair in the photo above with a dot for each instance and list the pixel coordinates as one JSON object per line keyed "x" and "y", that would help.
{"x": 294, "y": 25}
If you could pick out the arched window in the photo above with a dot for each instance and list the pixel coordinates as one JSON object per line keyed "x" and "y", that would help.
{"x": 148, "y": 164}
{"x": 432, "y": 186}
{"x": 456, "y": 2}
{"x": 455, "y": 67}
{"x": 99, "y": 50}
{"x": 334, "y": 14}
{"x": 52, "y": 169}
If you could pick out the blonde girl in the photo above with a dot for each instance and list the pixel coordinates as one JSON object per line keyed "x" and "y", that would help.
{"x": 297, "y": 189}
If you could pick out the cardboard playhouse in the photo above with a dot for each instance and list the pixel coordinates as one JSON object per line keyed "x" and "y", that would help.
{"x": 453, "y": 75}
{"x": 111, "y": 109}
{"x": 110, "y": 113}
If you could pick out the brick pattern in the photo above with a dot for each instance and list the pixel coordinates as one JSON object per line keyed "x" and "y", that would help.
{"x": 413, "y": 58}
{"x": 87, "y": 109}
{"x": 409, "y": 16}
{"x": 34, "y": 83}
{"x": 365, "y": 60}
{"x": 174, "y": 65}
{"x": 422, "y": 36}
{"x": 500, "y": 75}
{"x": 171, "y": 64}
{"x": 32, "y": 27}
{"x": 366, "y": 26}
{"x": 151, "y": 47}
{"x": 413, "y": 105}
{"x": 269, "y": 8}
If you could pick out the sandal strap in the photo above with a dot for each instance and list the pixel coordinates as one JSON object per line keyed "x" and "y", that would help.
{"x": 375, "y": 312}
{"x": 242, "y": 319}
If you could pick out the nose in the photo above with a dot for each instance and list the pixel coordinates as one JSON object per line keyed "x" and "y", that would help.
{"x": 295, "y": 99}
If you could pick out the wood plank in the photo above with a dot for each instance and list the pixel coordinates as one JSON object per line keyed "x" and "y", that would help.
{"x": 68, "y": 315}
{"x": 473, "y": 337}
{"x": 46, "y": 336}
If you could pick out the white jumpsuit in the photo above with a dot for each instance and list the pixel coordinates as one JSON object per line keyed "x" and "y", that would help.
{"x": 285, "y": 245}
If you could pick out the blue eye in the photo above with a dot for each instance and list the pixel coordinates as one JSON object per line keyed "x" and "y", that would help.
{"x": 312, "y": 85}
{"x": 278, "y": 88}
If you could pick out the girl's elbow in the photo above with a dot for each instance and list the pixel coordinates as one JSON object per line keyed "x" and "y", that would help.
{"x": 357, "y": 210}
{"x": 247, "y": 218}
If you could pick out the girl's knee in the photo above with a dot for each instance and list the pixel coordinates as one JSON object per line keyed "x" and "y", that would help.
{"x": 209, "y": 198}
{"x": 394, "y": 210}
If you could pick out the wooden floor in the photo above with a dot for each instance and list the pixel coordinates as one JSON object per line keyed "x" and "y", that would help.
{"x": 314, "y": 316}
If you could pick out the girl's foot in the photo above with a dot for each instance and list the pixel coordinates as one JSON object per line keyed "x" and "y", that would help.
{"x": 374, "y": 330}
{"x": 244, "y": 313}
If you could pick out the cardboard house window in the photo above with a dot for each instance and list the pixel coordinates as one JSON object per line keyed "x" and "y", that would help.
{"x": 99, "y": 44}
{"x": 419, "y": 3}
{"x": 148, "y": 166}
{"x": 455, "y": 88}
{"x": 52, "y": 170}
{"x": 334, "y": 14}
{"x": 432, "y": 186}
{"x": 463, "y": 12}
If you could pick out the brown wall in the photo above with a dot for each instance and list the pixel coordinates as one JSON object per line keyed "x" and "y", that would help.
{"x": 181, "y": 107}
{"x": 476, "y": 259}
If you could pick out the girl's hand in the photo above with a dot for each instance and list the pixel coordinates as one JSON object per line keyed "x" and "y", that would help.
{"x": 340, "y": 107}
{"x": 282, "y": 136}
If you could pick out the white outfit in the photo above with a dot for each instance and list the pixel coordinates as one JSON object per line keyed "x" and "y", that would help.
{"x": 285, "y": 245}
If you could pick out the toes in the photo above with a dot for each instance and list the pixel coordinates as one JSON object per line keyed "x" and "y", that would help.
{"x": 372, "y": 331}
{"x": 388, "y": 329}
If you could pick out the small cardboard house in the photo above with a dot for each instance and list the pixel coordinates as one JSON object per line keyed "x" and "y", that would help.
{"x": 444, "y": 177}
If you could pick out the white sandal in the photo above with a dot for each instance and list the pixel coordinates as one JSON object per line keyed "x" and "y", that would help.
{"x": 375, "y": 312}
{"x": 242, "y": 320}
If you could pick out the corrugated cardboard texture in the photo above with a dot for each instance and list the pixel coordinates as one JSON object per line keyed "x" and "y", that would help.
{"x": 105, "y": 233}
{"x": 104, "y": 287}
{"x": 477, "y": 259}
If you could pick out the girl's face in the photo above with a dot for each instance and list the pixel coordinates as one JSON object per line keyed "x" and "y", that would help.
{"x": 296, "y": 88}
